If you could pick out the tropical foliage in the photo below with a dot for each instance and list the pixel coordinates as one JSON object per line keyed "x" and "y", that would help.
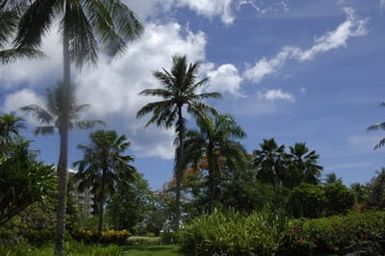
{"x": 216, "y": 142}
{"x": 104, "y": 166}
{"x": 9, "y": 16}
{"x": 23, "y": 179}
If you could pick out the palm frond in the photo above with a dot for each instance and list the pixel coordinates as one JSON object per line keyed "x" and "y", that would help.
{"x": 380, "y": 144}
{"x": 10, "y": 55}
{"x": 34, "y": 23}
{"x": 44, "y": 130}
{"x": 8, "y": 21}
{"x": 40, "y": 113}
{"x": 87, "y": 124}
{"x": 83, "y": 45}
{"x": 377, "y": 126}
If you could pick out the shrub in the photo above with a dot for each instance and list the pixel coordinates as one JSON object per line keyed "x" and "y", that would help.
{"x": 306, "y": 200}
{"x": 267, "y": 233}
{"x": 107, "y": 237}
{"x": 363, "y": 232}
{"x": 339, "y": 199}
{"x": 234, "y": 234}
{"x": 169, "y": 237}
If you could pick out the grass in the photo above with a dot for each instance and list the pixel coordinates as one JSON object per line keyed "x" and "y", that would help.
{"x": 79, "y": 249}
{"x": 154, "y": 250}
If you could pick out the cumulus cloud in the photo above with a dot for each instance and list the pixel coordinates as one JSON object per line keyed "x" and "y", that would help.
{"x": 275, "y": 94}
{"x": 211, "y": 8}
{"x": 36, "y": 71}
{"x": 13, "y": 102}
{"x": 352, "y": 27}
{"x": 113, "y": 87}
{"x": 224, "y": 78}
{"x": 21, "y": 98}
{"x": 206, "y": 8}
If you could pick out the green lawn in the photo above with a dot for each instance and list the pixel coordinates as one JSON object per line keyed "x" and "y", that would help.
{"x": 154, "y": 250}
{"x": 78, "y": 249}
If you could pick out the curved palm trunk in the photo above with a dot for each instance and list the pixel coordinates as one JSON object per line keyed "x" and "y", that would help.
{"x": 63, "y": 157}
{"x": 102, "y": 199}
{"x": 179, "y": 169}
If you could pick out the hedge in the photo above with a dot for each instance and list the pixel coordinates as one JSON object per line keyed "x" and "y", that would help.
{"x": 266, "y": 233}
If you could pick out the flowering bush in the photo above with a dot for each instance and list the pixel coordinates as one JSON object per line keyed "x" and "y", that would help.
{"x": 107, "y": 236}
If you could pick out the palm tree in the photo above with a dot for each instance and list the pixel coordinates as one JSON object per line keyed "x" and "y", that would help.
{"x": 180, "y": 89}
{"x": 379, "y": 126}
{"x": 10, "y": 125}
{"x": 52, "y": 115}
{"x": 84, "y": 25}
{"x": 103, "y": 166}
{"x": 269, "y": 161}
{"x": 9, "y": 16}
{"x": 302, "y": 165}
{"x": 216, "y": 142}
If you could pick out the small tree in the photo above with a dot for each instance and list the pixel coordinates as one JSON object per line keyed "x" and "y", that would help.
{"x": 23, "y": 180}
{"x": 306, "y": 200}
{"x": 339, "y": 198}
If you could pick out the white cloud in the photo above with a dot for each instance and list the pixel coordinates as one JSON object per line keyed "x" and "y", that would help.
{"x": 211, "y": 8}
{"x": 274, "y": 95}
{"x": 36, "y": 71}
{"x": 353, "y": 26}
{"x": 206, "y": 8}
{"x": 224, "y": 79}
{"x": 113, "y": 87}
{"x": 21, "y": 98}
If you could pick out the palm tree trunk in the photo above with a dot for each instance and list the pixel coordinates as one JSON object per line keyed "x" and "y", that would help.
{"x": 101, "y": 209}
{"x": 179, "y": 169}
{"x": 63, "y": 156}
{"x": 211, "y": 182}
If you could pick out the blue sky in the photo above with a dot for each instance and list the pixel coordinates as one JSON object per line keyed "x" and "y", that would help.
{"x": 297, "y": 70}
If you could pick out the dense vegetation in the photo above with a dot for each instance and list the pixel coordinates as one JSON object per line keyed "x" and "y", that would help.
{"x": 222, "y": 199}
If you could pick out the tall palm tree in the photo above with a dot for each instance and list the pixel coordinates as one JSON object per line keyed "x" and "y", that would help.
{"x": 52, "y": 114}
{"x": 84, "y": 25}
{"x": 9, "y": 16}
{"x": 303, "y": 165}
{"x": 10, "y": 126}
{"x": 269, "y": 160}
{"x": 217, "y": 143}
{"x": 179, "y": 92}
{"x": 379, "y": 126}
{"x": 103, "y": 166}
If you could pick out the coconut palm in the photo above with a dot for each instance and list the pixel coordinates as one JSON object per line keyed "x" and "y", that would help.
{"x": 269, "y": 160}
{"x": 84, "y": 25}
{"x": 52, "y": 114}
{"x": 217, "y": 143}
{"x": 10, "y": 126}
{"x": 379, "y": 126}
{"x": 9, "y": 16}
{"x": 104, "y": 165}
{"x": 179, "y": 92}
{"x": 302, "y": 165}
